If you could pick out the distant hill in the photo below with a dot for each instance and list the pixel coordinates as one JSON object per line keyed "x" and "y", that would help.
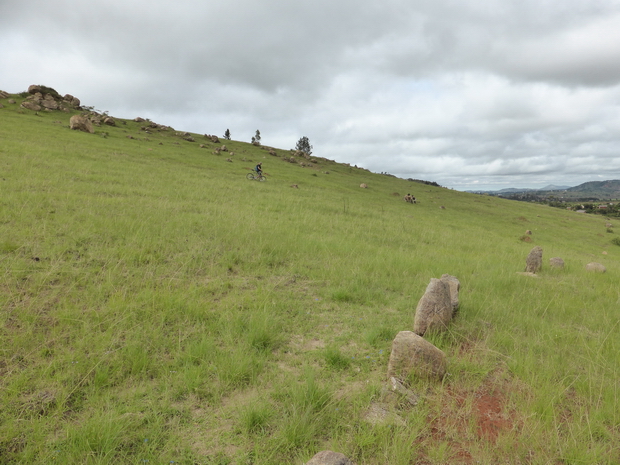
{"x": 591, "y": 190}
{"x": 607, "y": 189}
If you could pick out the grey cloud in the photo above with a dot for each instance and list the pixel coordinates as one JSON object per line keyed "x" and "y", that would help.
{"x": 457, "y": 90}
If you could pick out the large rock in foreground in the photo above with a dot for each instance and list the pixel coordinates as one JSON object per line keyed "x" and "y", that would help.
{"x": 434, "y": 310}
{"x": 454, "y": 285}
{"x": 413, "y": 355}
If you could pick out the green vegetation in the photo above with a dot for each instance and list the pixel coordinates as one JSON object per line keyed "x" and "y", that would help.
{"x": 158, "y": 307}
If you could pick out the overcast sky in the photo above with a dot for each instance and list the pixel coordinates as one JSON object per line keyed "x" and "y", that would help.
{"x": 471, "y": 94}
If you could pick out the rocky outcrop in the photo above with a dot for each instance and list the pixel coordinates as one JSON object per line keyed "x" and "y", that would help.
{"x": 42, "y": 97}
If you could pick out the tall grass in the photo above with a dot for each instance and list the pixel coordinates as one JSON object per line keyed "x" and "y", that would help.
{"x": 155, "y": 305}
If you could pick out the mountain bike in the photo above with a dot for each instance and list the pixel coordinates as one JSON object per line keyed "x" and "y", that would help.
{"x": 256, "y": 177}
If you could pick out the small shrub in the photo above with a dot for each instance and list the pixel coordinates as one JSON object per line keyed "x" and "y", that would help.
{"x": 616, "y": 241}
{"x": 525, "y": 238}
{"x": 609, "y": 230}
{"x": 335, "y": 359}
{"x": 255, "y": 419}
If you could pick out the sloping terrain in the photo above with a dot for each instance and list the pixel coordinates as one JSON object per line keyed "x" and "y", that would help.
{"x": 157, "y": 306}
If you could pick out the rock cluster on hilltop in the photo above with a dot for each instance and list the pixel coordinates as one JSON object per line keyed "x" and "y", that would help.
{"x": 42, "y": 97}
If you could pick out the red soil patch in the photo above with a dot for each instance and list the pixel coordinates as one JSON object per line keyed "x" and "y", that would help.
{"x": 459, "y": 409}
{"x": 491, "y": 419}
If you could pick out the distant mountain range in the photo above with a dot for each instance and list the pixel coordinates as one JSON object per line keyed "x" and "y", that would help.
{"x": 595, "y": 189}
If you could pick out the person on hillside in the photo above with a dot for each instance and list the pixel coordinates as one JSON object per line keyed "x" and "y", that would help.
{"x": 259, "y": 169}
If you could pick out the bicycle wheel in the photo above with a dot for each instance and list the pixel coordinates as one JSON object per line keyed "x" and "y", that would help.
{"x": 250, "y": 176}
{"x": 261, "y": 178}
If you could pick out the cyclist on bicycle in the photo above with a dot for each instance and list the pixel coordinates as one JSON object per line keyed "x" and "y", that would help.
{"x": 259, "y": 169}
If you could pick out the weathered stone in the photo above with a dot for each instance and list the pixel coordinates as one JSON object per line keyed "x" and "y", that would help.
{"x": 223, "y": 148}
{"x": 596, "y": 267}
{"x": 454, "y": 286}
{"x": 50, "y": 104}
{"x": 434, "y": 310}
{"x": 413, "y": 355}
{"x": 109, "y": 121}
{"x": 328, "y": 457}
{"x": 81, "y": 123}
{"x": 30, "y": 105}
{"x": 33, "y": 89}
{"x": 12, "y": 101}
{"x": 364, "y": 185}
{"x": 533, "y": 262}
{"x": 556, "y": 262}
{"x": 215, "y": 139}
{"x": 396, "y": 393}
{"x": 4, "y": 94}
{"x": 528, "y": 232}
{"x": 72, "y": 101}
{"x": 139, "y": 120}
{"x": 381, "y": 413}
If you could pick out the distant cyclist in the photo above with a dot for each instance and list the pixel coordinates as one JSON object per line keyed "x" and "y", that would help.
{"x": 259, "y": 169}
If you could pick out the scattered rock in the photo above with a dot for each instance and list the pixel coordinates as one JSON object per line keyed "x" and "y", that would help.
{"x": 109, "y": 121}
{"x": 533, "y": 262}
{"x": 380, "y": 413}
{"x": 224, "y": 148}
{"x": 556, "y": 262}
{"x": 442, "y": 207}
{"x": 397, "y": 394}
{"x": 608, "y": 225}
{"x": 81, "y": 123}
{"x": 596, "y": 267}
{"x": 215, "y": 139}
{"x": 294, "y": 186}
{"x": 139, "y": 120}
{"x": 4, "y": 94}
{"x": 12, "y": 101}
{"x": 528, "y": 232}
{"x": 364, "y": 185}
{"x": 413, "y": 355}
{"x": 327, "y": 457}
{"x": 434, "y": 310}
{"x": 454, "y": 286}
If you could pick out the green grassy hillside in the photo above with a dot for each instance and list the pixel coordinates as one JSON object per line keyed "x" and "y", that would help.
{"x": 157, "y": 306}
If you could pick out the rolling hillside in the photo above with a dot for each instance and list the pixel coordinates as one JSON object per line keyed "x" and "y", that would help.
{"x": 157, "y": 306}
